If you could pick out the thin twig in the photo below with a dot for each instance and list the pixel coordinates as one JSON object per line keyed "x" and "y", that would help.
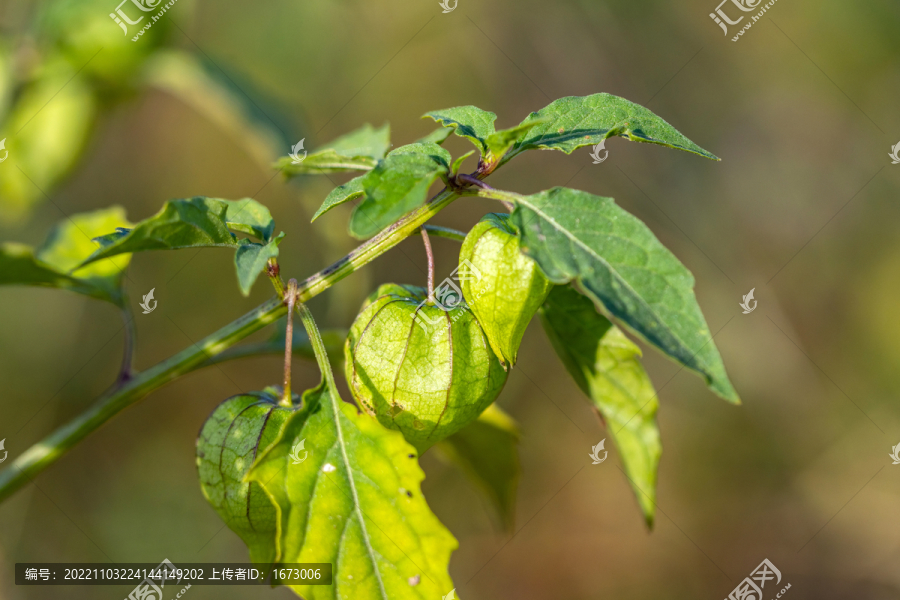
{"x": 474, "y": 181}
{"x": 127, "y": 368}
{"x": 287, "y": 400}
{"x": 430, "y": 255}
{"x": 273, "y": 270}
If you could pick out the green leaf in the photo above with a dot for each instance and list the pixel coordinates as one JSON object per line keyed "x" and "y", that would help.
{"x": 55, "y": 263}
{"x": 250, "y": 260}
{"x": 576, "y": 121}
{"x": 365, "y": 141}
{"x": 18, "y": 266}
{"x": 486, "y": 451}
{"x": 44, "y": 152}
{"x": 504, "y": 288}
{"x": 430, "y": 149}
{"x": 355, "y": 502}
{"x": 454, "y": 169}
{"x": 237, "y": 431}
{"x": 497, "y": 144}
{"x": 342, "y": 193}
{"x": 191, "y": 223}
{"x": 607, "y": 367}
{"x": 358, "y": 150}
{"x": 467, "y": 121}
{"x": 438, "y": 136}
{"x": 250, "y": 217}
{"x": 618, "y": 262}
{"x": 396, "y": 186}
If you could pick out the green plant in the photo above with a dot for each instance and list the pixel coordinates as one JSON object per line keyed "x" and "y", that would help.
{"x": 579, "y": 260}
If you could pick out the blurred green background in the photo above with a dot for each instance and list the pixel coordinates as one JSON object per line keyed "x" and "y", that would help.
{"x": 803, "y": 208}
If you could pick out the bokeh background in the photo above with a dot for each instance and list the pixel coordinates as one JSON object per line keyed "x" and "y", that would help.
{"x": 803, "y": 207}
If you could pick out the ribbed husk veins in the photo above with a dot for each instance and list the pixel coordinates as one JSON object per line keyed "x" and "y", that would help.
{"x": 507, "y": 287}
{"x": 418, "y": 368}
{"x": 236, "y": 432}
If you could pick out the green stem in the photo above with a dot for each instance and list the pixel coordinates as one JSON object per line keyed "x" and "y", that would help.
{"x": 273, "y": 270}
{"x": 315, "y": 338}
{"x": 509, "y": 199}
{"x": 334, "y": 341}
{"x": 446, "y": 232}
{"x": 43, "y": 454}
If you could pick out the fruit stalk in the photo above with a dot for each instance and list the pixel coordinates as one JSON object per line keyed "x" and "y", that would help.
{"x": 291, "y": 298}
{"x": 430, "y": 255}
